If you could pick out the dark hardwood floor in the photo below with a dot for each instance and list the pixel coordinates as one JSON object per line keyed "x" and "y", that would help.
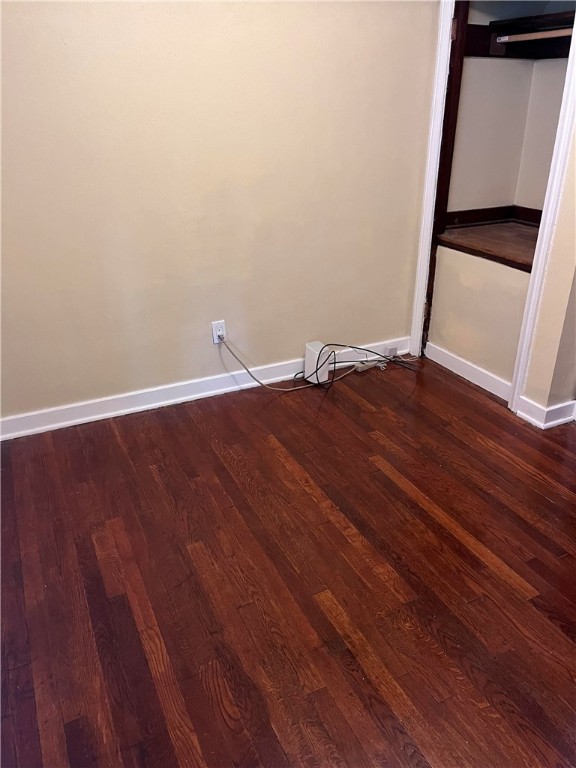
{"x": 379, "y": 575}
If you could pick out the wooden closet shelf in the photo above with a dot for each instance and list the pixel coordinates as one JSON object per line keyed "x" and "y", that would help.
{"x": 509, "y": 242}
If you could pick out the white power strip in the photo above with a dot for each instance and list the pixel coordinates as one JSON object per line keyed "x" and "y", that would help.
{"x": 344, "y": 357}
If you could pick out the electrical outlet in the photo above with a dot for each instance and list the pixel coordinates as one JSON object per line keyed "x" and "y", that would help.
{"x": 218, "y": 331}
{"x": 391, "y": 351}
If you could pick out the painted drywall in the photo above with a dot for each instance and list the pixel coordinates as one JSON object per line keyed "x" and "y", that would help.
{"x": 490, "y": 132}
{"x": 477, "y": 310}
{"x": 541, "y": 123}
{"x": 507, "y": 123}
{"x": 563, "y": 387}
{"x": 553, "y": 330}
{"x": 169, "y": 164}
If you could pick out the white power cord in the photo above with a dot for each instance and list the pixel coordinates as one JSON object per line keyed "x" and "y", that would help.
{"x": 269, "y": 386}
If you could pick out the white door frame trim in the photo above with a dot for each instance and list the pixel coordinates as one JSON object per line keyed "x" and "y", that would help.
{"x": 432, "y": 163}
{"x": 560, "y": 157}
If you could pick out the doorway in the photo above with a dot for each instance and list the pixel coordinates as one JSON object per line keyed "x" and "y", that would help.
{"x": 489, "y": 233}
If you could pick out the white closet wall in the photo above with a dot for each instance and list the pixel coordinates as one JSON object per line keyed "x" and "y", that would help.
{"x": 490, "y": 132}
{"x": 507, "y": 122}
{"x": 541, "y": 123}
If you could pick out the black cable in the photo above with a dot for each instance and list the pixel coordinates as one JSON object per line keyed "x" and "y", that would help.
{"x": 300, "y": 375}
{"x": 395, "y": 359}
{"x": 388, "y": 358}
{"x": 331, "y": 359}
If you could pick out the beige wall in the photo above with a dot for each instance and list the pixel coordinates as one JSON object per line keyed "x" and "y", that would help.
{"x": 166, "y": 165}
{"x": 554, "y": 331}
{"x": 506, "y": 130}
{"x": 490, "y": 132}
{"x": 541, "y": 124}
{"x": 563, "y": 387}
{"x": 477, "y": 310}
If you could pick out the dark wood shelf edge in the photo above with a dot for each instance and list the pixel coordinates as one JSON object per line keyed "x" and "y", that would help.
{"x": 483, "y": 254}
{"x": 478, "y": 216}
{"x": 537, "y": 23}
{"x": 532, "y": 216}
{"x": 480, "y": 38}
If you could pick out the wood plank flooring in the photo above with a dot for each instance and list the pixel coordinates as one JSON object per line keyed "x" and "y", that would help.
{"x": 383, "y": 574}
{"x": 507, "y": 242}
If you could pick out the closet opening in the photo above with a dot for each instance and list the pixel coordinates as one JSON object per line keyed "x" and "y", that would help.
{"x": 506, "y": 79}
{"x": 511, "y": 102}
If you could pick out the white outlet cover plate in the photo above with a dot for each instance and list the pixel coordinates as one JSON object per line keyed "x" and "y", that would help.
{"x": 218, "y": 327}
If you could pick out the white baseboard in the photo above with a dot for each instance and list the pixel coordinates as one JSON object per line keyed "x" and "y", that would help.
{"x": 480, "y": 376}
{"x": 156, "y": 397}
{"x": 528, "y": 410}
{"x": 544, "y": 417}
